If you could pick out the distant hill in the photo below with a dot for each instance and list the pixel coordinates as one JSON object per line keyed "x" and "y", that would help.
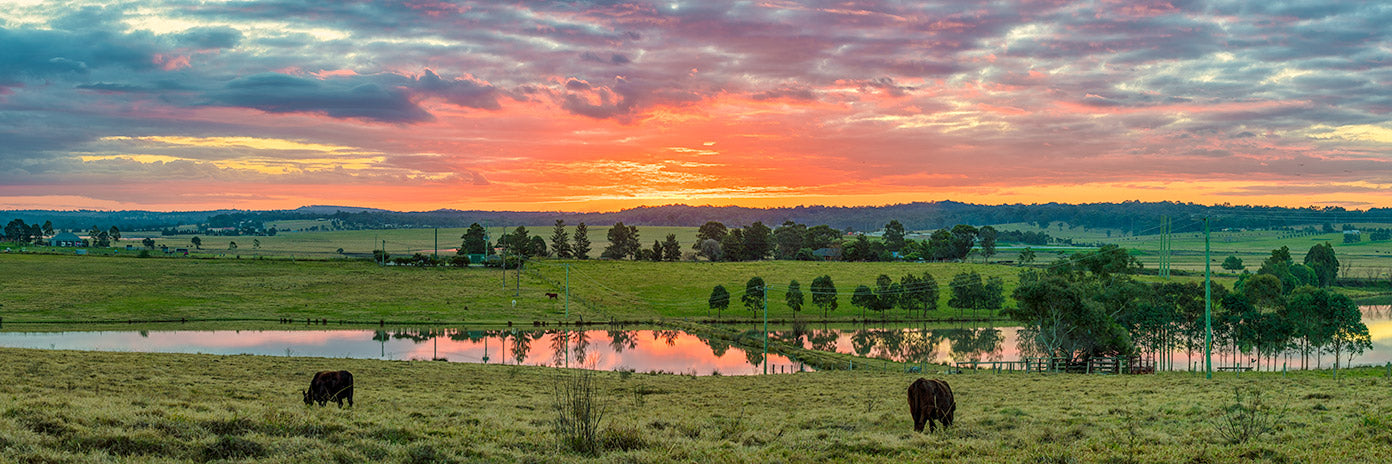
{"x": 327, "y": 210}
{"x": 1125, "y": 216}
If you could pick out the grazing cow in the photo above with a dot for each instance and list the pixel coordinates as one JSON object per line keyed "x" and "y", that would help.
{"x": 931, "y": 400}
{"x": 330, "y": 386}
{"x": 552, "y": 295}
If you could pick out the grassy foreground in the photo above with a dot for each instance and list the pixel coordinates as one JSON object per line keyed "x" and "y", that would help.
{"x": 62, "y": 406}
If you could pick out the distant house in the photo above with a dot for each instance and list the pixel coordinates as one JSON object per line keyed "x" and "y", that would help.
{"x": 67, "y": 239}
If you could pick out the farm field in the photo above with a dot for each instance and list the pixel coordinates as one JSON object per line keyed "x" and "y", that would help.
{"x": 1363, "y": 260}
{"x": 360, "y": 243}
{"x": 87, "y": 288}
{"x": 197, "y": 408}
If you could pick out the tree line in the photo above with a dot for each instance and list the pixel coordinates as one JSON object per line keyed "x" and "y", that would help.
{"x": 1087, "y": 305}
{"x": 915, "y": 294}
{"x": 717, "y": 242}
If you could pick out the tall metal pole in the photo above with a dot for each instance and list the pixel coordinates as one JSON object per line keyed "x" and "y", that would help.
{"x": 1208, "y": 304}
{"x": 567, "y": 305}
{"x": 764, "y": 293}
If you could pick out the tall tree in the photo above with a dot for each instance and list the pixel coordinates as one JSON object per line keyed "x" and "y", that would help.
{"x": 894, "y": 235}
{"x": 793, "y": 297}
{"x": 1233, "y": 263}
{"x": 48, "y": 228}
{"x": 821, "y": 236}
{"x": 789, "y": 239}
{"x": 581, "y": 249}
{"x": 1347, "y": 333}
{"x": 655, "y": 254}
{"x": 1027, "y": 256}
{"x": 824, "y": 294}
{"x": 197, "y": 242}
{"x": 887, "y": 293}
{"x": 754, "y": 291}
{"x": 475, "y": 240}
{"x": 864, "y": 298}
{"x": 671, "y": 249}
{"x": 709, "y": 231}
{"x": 537, "y": 247}
{"x": 986, "y": 239}
{"x": 732, "y": 246}
{"x": 758, "y": 241}
{"x": 719, "y": 300}
{"x": 518, "y": 242}
{"x": 963, "y": 238}
{"x": 1321, "y": 258}
{"x": 148, "y": 243}
{"x": 560, "y": 240}
{"x": 115, "y": 234}
{"x": 623, "y": 242}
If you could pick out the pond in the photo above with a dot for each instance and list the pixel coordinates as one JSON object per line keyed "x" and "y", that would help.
{"x": 967, "y": 343}
{"x": 637, "y": 350}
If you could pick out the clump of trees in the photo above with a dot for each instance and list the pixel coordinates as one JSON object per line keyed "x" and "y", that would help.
{"x": 1087, "y": 305}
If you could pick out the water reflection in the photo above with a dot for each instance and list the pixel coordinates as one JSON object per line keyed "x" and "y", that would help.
{"x": 906, "y": 344}
{"x": 985, "y": 343}
{"x": 615, "y": 349}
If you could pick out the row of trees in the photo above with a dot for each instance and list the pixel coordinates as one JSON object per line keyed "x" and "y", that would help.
{"x": 914, "y": 293}
{"x": 18, "y": 232}
{"x": 717, "y": 242}
{"x": 1088, "y": 305}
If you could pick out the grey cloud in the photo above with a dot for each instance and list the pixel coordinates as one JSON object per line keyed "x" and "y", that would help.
{"x": 349, "y": 98}
{"x": 209, "y": 37}
{"x": 462, "y": 92}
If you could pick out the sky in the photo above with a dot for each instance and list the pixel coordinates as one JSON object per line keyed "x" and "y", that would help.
{"x": 598, "y": 106}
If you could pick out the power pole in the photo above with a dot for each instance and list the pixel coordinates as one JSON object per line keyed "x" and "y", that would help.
{"x": 1165, "y": 247}
{"x": 1208, "y": 305}
{"x": 567, "y": 304}
{"x": 764, "y": 292}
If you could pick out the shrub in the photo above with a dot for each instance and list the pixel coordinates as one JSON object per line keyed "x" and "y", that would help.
{"x": 579, "y": 411}
{"x": 1248, "y": 417}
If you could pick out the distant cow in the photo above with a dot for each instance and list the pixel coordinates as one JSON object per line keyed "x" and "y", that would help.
{"x": 552, "y": 295}
{"x": 931, "y": 400}
{"x": 330, "y": 386}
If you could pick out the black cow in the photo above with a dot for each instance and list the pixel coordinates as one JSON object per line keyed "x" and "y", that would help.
{"x": 330, "y": 386}
{"x": 931, "y": 400}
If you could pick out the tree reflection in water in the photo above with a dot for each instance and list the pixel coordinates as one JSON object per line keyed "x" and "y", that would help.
{"x": 621, "y": 340}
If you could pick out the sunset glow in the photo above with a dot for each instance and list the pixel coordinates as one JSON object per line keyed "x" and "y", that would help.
{"x": 590, "y": 107}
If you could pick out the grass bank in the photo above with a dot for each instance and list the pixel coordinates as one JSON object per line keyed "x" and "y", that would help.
{"x": 58, "y": 406}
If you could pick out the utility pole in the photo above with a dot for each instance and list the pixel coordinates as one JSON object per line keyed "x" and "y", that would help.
{"x": 1165, "y": 247}
{"x": 567, "y": 304}
{"x": 1208, "y": 305}
{"x": 764, "y": 293}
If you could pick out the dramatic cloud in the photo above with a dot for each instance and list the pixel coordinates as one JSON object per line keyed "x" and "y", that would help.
{"x": 598, "y": 105}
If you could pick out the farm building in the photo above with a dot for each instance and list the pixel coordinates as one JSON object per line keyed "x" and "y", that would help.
{"x": 67, "y": 239}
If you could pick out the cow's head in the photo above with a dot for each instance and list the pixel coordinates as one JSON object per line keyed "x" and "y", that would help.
{"x": 307, "y": 398}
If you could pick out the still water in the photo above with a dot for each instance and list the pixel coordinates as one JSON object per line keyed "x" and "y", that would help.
{"x": 638, "y": 350}
{"x": 974, "y": 343}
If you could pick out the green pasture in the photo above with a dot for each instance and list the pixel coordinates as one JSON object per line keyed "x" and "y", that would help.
{"x": 104, "y": 288}
{"x": 399, "y": 242}
{"x": 93, "y": 407}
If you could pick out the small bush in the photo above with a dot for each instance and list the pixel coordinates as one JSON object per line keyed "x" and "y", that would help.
{"x": 579, "y": 411}
{"x": 1248, "y": 417}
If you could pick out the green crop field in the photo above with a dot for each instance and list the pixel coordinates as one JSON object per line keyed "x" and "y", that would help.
{"x": 88, "y": 288}
{"x": 64, "y": 406}
{"x": 291, "y": 242}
